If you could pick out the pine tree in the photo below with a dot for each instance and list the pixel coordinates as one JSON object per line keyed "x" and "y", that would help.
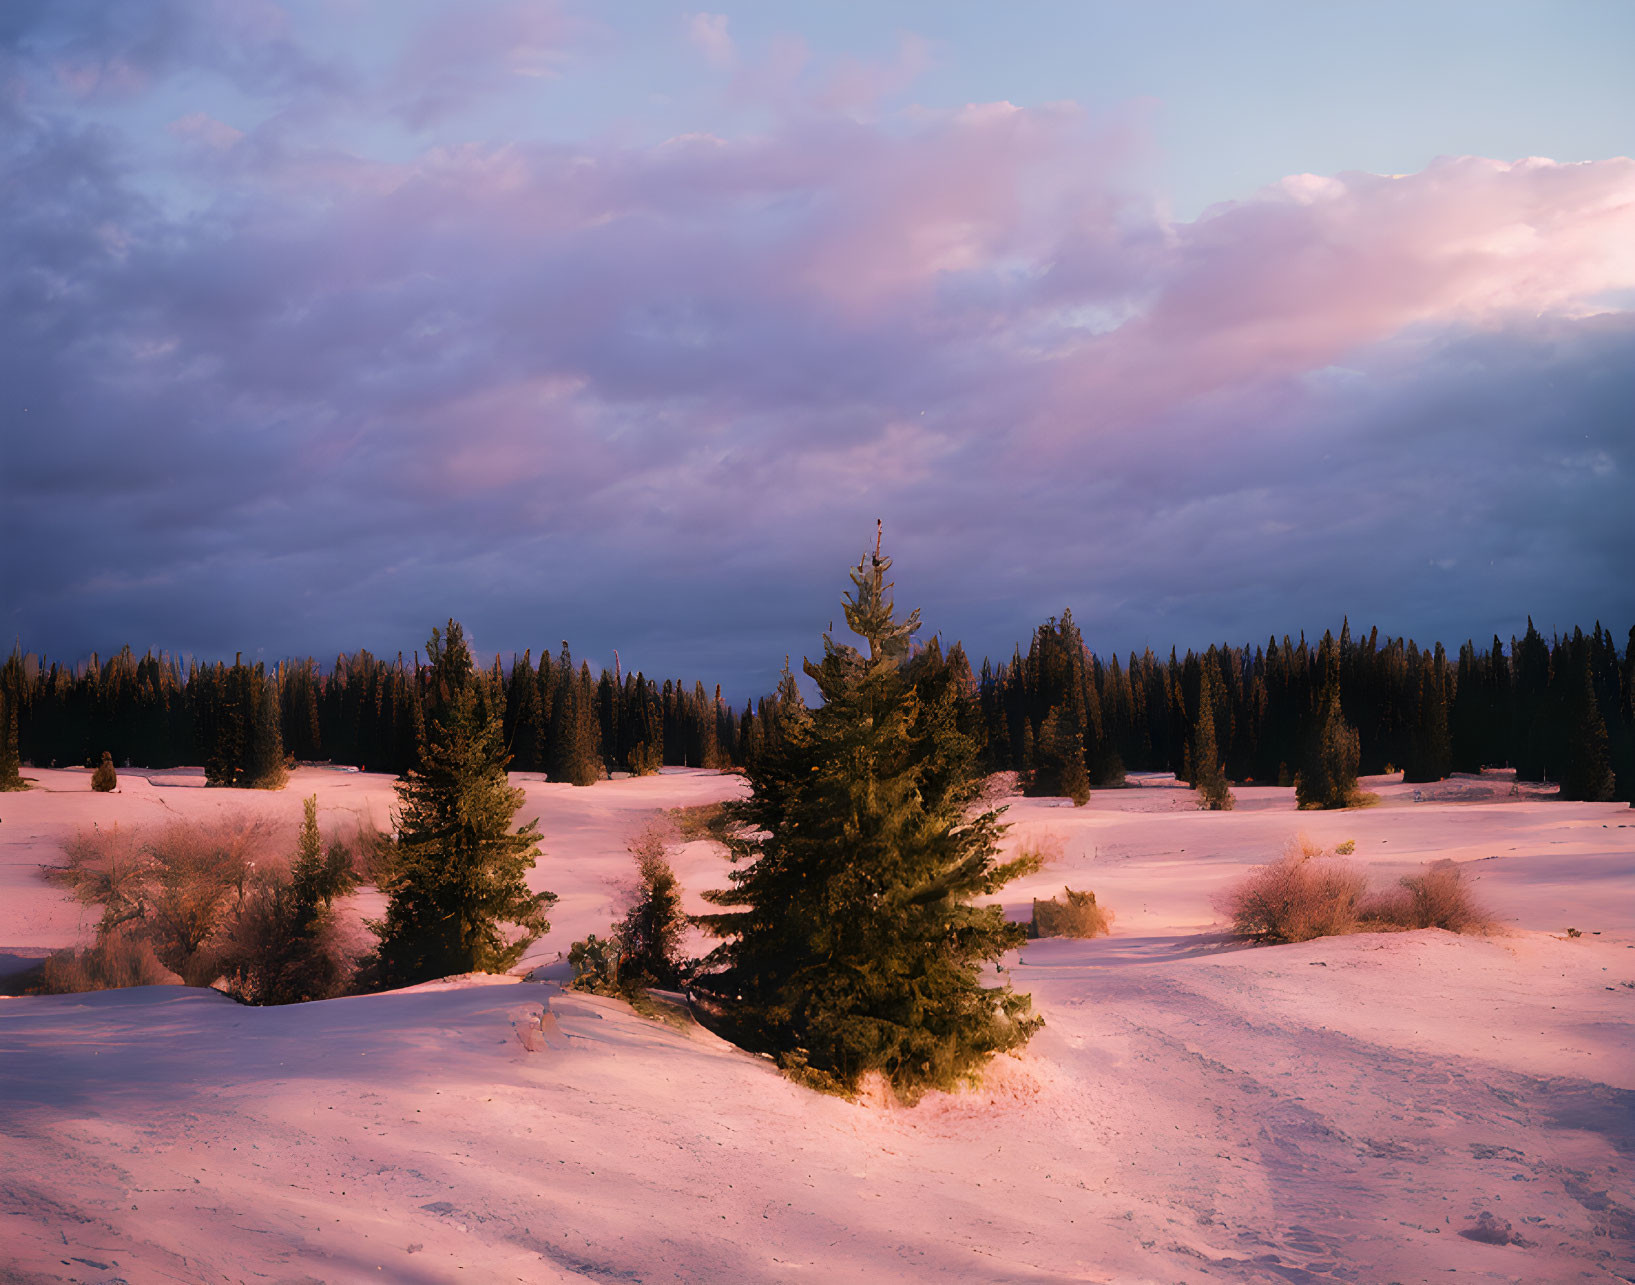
{"x": 105, "y": 779}
{"x": 1587, "y": 771}
{"x": 222, "y": 725}
{"x": 283, "y": 948}
{"x": 264, "y": 767}
{"x": 1430, "y": 746}
{"x": 649, "y": 939}
{"x": 855, "y": 948}
{"x": 458, "y": 873}
{"x": 1059, "y": 769}
{"x": 1328, "y": 774}
{"x": 11, "y": 768}
{"x": 575, "y": 728}
{"x": 1209, "y": 778}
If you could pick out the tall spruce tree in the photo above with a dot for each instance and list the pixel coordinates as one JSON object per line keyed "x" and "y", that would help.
{"x": 1059, "y": 760}
{"x": 855, "y": 948}
{"x": 1328, "y": 771}
{"x": 11, "y": 774}
{"x": 223, "y": 724}
{"x": 1587, "y": 769}
{"x": 575, "y": 729}
{"x": 1209, "y": 777}
{"x": 264, "y": 768}
{"x": 458, "y": 873}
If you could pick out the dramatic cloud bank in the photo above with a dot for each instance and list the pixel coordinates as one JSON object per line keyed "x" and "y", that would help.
{"x": 277, "y": 381}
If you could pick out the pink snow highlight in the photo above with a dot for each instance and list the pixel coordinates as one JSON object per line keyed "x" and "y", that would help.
{"x": 1192, "y": 1105}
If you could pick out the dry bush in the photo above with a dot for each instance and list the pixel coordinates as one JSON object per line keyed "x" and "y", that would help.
{"x": 210, "y": 900}
{"x": 997, "y": 787}
{"x": 117, "y": 960}
{"x": 1077, "y": 916}
{"x": 1302, "y": 895}
{"x": 106, "y": 868}
{"x": 176, "y": 889}
{"x": 702, "y": 821}
{"x": 368, "y": 851}
{"x": 1436, "y": 897}
{"x": 1304, "y": 846}
{"x": 1040, "y": 848}
{"x": 201, "y": 874}
{"x": 270, "y": 953}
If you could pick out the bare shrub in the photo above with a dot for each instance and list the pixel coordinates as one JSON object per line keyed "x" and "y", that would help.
{"x": 367, "y": 849}
{"x": 118, "y": 959}
{"x": 1039, "y": 849}
{"x": 1436, "y": 897}
{"x": 1077, "y": 916}
{"x": 201, "y": 874}
{"x": 702, "y": 821}
{"x": 175, "y": 890}
{"x": 999, "y": 786}
{"x": 106, "y": 868}
{"x": 1303, "y": 845}
{"x": 1302, "y": 895}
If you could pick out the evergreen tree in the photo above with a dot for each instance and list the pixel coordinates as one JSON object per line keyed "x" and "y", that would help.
{"x": 1059, "y": 760}
{"x": 1530, "y": 662}
{"x": 264, "y": 767}
{"x": 1587, "y": 770}
{"x": 457, "y": 873}
{"x": 575, "y": 729}
{"x": 1328, "y": 774}
{"x": 855, "y": 948}
{"x": 283, "y": 949}
{"x": 1209, "y": 777}
{"x": 1430, "y": 747}
{"x": 11, "y": 768}
{"x": 522, "y": 721}
{"x": 105, "y": 779}
{"x": 222, "y": 725}
{"x": 649, "y": 939}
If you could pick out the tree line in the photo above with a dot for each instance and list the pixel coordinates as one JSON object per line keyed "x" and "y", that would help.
{"x": 242, "y": 722}
{"x": 850, "y": 939}
{"x": 1561, "y": 710}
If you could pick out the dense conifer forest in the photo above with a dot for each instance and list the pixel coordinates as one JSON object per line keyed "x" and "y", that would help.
{"x": 1559, "y": 710}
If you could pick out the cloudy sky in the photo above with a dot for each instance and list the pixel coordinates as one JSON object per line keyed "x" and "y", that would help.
{"x": 323, "y": 322}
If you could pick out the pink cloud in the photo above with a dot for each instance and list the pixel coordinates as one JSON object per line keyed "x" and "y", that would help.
{"x": 859, "y": 84}
{"x": 202, "y": 128}
{"x": 1312, "y": 268}
{"x": 709, "y": 34}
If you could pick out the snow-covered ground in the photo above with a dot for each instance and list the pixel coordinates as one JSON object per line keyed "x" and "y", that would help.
{"x": 1193, "y": 1110}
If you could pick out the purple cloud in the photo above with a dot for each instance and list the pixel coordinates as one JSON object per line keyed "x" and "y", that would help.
{"x": 653, "y": 395}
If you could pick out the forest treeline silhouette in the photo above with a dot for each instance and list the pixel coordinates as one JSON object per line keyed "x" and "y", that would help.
{"x": 1560, "y": 710}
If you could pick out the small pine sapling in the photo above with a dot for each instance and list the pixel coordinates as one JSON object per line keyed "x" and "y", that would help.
{"x": 644, "y": 949}
{"x": 105, "y": 779}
